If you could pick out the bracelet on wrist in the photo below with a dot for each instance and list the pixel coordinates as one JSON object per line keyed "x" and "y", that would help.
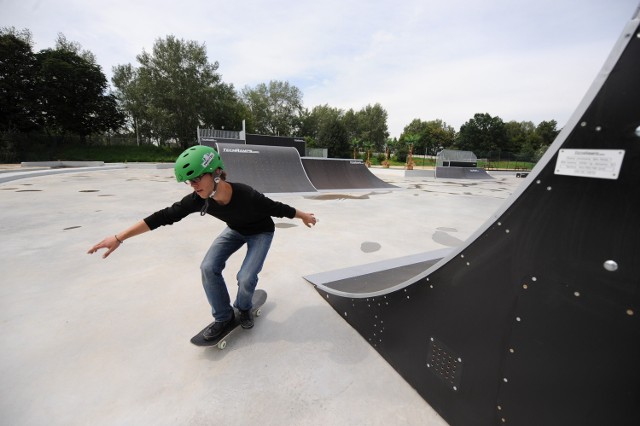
{"x": 118, "y": 239}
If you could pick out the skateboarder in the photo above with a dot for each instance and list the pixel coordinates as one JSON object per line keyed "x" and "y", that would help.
{"x": 247, "y": 214}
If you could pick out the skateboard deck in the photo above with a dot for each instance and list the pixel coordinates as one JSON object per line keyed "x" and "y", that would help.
{"x": 259, "y": 298}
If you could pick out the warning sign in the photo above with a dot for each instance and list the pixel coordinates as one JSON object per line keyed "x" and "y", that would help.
{"x": 592, "y": 163}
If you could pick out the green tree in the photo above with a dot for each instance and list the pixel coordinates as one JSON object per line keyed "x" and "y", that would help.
{"x": 439, "y": 135}
{"x": 308, "y": 127}
{"x": 324, "y": 124}
{"x": 372, "y": 126}
{"x": 333, "y": 135}
{"x": 418, "y": 132}
{"x": 173, "y": 91}
{"x": 276, "y": 108}
{"x": 62, "y": 43}
{"x": 72, "y": 95}
{"x": 352, "y": 124}
{"x": 356, "y": 146}
{"x": 131, "y": 98}
{"x": 408, "y": 141}
{"x": 224, "y": 108}
{"x": 547, "y": 131}
{"x": 431, "y": 135}
{"x": 180, "y": 81}
{"x": 483, "y": 134}
{"x": 343, "y": 132}
{"x": 522, "y": 138}
{"x": 17, "y": 81}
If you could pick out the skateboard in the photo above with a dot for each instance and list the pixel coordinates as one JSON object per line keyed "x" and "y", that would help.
{"x": 259, "y": 297}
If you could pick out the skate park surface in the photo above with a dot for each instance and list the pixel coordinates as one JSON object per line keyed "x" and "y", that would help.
{"x": 106, "y": 341}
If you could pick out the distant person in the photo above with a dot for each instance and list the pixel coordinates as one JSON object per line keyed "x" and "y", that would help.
{"x": 247, "y": 214}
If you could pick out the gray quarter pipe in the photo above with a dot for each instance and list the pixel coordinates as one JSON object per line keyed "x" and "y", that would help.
{"x": 332, "y": 173}
{"x": 268, "y": 169}
{"x": 462, "y": 173}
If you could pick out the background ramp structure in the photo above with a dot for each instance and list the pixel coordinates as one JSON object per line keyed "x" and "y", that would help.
{"x": 268, "y": 169}
{"x": 536, "y": 320}
{"x": 454, "y": 164}
{"x": 462, "y": 173}
{"x": 327, "y": 174}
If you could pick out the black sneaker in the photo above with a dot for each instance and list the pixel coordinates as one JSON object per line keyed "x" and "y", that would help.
{"x": 246, "y": 319}
{"x": 216, "y": 329}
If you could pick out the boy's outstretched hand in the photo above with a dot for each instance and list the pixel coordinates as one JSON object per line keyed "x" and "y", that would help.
{"x": 110, "y": 243}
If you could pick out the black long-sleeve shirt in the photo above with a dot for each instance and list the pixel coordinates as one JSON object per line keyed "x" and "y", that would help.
{"x": 248, "y": 212}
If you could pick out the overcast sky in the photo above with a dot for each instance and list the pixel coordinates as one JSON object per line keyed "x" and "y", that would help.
{"x": 523, "y": 60}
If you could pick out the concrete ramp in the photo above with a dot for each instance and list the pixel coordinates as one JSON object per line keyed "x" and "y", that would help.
{"x": 462, "y": 173}
{"x": 330, "y": 173}
{"x": 536, "y": 319}
{"x": 268, "y": 169}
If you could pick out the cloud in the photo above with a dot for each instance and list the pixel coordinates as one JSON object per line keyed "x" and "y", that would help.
{"x": 427, "y": 59}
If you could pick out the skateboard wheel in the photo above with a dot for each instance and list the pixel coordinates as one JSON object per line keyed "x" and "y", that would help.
{"x": 222, "y": 344}
{"x": 259, "y": 312}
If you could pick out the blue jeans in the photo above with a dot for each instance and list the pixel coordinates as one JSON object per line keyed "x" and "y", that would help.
{"x": 227, "y": 243}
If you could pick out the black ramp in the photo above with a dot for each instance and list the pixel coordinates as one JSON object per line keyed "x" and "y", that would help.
{"x": 333, "y": 173}
{"x": 536, "y": 321}
{"x": 268, "y": 169}
{"x": 462, "y": 173}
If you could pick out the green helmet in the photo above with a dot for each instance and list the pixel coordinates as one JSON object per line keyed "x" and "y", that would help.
{"x": 196, "y": 161}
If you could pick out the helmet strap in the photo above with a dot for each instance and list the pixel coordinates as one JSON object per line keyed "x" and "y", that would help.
{"x": 216, "y": 181}
{"x": 205, "y": 207}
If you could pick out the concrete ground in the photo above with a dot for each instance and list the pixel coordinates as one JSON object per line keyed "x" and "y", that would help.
{"x": 106, "y": 342}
